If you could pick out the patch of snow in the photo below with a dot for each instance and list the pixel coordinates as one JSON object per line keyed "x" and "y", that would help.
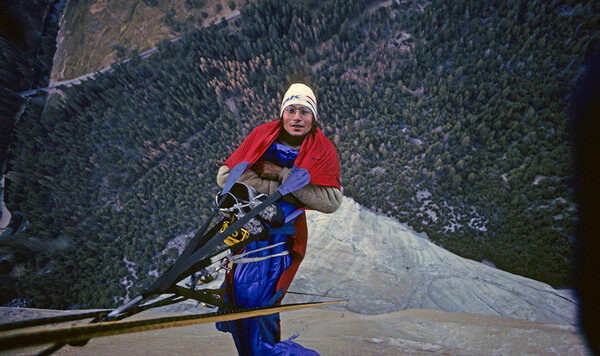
{"x": 478, "y": 224}
{"x": 537, "y": 180}
{"x": 377, "y": 170}
{"x": 423, "y": 194}
{"x": 117, "y": 205}
{"x": 416, "y": 141}
{"x": 130, "y": 267}
{"x": 432, "y": 215}
{"x": 453, "y": 219}
{"x": 179, "y": 242}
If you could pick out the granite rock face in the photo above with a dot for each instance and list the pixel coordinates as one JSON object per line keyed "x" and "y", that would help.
{"x": 380, "y": 266}
{"x": 340, "y": 332}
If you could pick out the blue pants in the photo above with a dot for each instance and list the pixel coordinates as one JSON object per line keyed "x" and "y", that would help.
{"x": 254, "y": 285}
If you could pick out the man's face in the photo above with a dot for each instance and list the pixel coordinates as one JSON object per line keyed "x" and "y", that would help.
{"x": 297, "y": 120}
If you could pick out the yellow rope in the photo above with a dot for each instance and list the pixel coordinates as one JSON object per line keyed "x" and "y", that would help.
{"x": 40, "y": 336}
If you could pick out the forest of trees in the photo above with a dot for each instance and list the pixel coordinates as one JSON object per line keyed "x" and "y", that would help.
{"x": 450, "y": 116}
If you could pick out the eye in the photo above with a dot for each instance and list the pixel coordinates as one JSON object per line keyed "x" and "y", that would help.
{"x": 305, "y": 112}
{"x": 290, "y": 110}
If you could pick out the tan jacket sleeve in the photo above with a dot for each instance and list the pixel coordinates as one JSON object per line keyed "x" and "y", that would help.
{"x": 249, "y": 177}
{"x": 317, "y": 197}
{"x": 222, "y": 175}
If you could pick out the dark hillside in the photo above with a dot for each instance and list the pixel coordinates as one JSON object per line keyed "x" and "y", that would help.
{"x": 450, "y": 117}
{"x": 27, "y": 42}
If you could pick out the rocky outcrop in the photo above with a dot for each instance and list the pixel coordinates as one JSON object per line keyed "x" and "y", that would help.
{"x": 380, "y": 265}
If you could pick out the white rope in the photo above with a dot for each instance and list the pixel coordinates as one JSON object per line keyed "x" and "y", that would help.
{"x": 258, "y": 259}
{"x": 260, "y": 249}
{"x": 241, "y": 257}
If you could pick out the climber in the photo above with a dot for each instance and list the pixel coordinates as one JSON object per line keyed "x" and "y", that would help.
{"x": 272, "y": 151}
